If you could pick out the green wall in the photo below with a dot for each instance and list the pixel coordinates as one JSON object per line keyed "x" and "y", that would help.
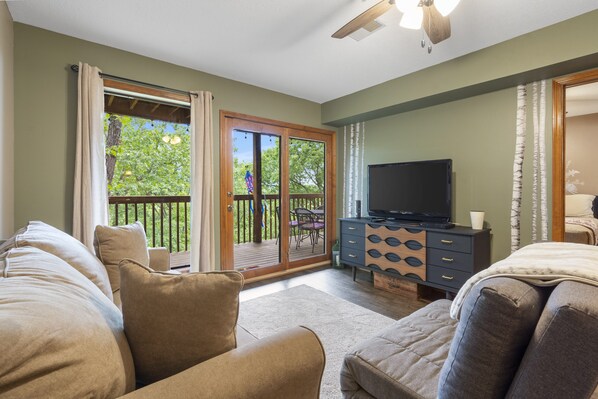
{"x": 45, "y": 113}
{"x": 464, "y": 109}
{"x": 478, "y": 134}
{"x": 558, "y": 49}
{"x": 6, "y": 123}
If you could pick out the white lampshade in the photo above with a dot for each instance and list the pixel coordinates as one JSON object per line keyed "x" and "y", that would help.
{"x": 406, "y": 5}
{"x": 412, "y": 19}
{"x": 445, "y": 7}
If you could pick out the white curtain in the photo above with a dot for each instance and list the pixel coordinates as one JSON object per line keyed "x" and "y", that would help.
{"x": 90, "y": 205}
{"x": 353, "y": 167}
{"x": 202, "y": 188}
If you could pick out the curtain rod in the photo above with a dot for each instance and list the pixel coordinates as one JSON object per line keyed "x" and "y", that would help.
{"x": 75, "y": 68}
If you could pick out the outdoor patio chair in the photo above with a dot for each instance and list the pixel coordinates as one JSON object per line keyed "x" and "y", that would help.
{"x": 308, "y": 226}
{"x": 293, "y": 225}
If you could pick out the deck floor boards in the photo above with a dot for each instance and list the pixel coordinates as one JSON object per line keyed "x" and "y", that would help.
{"x": 261, "y": 254}
{"x": 266, "y": 253}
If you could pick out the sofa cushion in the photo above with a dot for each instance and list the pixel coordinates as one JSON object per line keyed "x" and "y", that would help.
{"x": 61, "y": 336}
{"x": 113, "y": 244}
{"x": 497, "y": 321}
{"x": 174, "y": 321}
{"x": 49, "y": 239}
{"x": 404, "y": 360}
{"x": 561, "y": 360}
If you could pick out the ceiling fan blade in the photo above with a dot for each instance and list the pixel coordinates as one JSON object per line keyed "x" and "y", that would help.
{"x": 436, "y": 26}
{"x": 363, "y": 19}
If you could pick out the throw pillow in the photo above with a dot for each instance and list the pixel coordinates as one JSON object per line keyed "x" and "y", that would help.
{"x": 579, "y": 205}
{"x": 174, "y": 322}
{"x": 497, "y": 321}
{"x": 113, "y": 244}
{"x": 61, "y": 336}
{"x": 49, "y": 239}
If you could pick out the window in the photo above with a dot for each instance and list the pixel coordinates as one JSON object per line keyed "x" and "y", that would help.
{"x": 148, "y": 164}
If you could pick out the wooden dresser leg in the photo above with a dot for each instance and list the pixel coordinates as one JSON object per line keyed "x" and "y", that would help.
{"x": 354, "y": 272}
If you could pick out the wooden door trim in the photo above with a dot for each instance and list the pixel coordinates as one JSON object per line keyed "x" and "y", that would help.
{"x": 559, "y": 86}
{"x": 226, "y": 183}
{"x": 273, "y": 122}
{"x": 284, "y": 130}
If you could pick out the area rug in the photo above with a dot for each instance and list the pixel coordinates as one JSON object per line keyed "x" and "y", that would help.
{"x": 339, "y": 324}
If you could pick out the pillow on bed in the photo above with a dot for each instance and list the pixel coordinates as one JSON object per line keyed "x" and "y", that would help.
{"x": 579, "y": 205}
{"x": 595, "y": 207}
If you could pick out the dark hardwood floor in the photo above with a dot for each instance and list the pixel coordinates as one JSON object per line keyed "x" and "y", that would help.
{"x": 338, "y": 282}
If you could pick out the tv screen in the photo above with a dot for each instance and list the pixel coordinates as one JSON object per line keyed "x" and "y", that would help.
{"x": 418, "y": 191}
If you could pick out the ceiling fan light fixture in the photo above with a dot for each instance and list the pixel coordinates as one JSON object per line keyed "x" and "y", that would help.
{"x": 445, "y": 7}
{"x": 412, "y": 19}
{"x": 406, "y": 5}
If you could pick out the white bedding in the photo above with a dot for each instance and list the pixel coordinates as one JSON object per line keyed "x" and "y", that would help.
{"x": 546, "y": 263}
{"x": 579, "y": 224}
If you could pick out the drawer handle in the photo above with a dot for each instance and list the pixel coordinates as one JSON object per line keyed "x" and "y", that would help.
{"x": 352, "y": 242}
{"x": 449, "y": 260}
{"x": 352, "y": 228}
{"x": 447, "y": 277}
{"x": 447, "y": 242}
{"x": 352, "y": 256}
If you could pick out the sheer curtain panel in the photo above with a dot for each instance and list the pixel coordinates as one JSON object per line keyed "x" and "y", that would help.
{"x": 90, "y": 205}
{"x": 202, "y": 188}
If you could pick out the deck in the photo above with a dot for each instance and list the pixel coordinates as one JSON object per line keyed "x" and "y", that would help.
{"x": 266, "y": 253}
{"x": 250, "y": 254}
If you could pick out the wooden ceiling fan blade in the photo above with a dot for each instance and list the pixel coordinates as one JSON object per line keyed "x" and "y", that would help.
{"x": 437, "y": 27}
{"x": 363, "y": 19}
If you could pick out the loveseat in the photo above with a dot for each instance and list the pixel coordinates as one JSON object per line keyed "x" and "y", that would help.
{"x": 176, "y": 336}
{"x": 526, "y": 328}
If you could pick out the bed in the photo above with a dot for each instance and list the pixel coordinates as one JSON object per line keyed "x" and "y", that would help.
{"x": 581, "y": 222}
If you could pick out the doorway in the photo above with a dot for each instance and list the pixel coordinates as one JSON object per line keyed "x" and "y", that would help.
{"x": 559, "y": 161}
{"x": 277, "y": 195}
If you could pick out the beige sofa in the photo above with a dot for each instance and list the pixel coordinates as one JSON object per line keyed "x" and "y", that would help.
{"x": 63, "y": 337}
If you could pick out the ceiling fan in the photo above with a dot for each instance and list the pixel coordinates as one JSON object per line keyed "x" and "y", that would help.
{"x": 432, "y": 15}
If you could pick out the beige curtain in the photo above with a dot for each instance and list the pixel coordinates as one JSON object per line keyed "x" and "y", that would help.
{"x": 202, "y": 212}
{"x": 90, "y": 205}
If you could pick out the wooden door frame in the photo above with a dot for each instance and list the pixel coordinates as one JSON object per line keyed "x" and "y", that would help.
{"x": 285, "y": 130}
{"x": 559, "y": 86}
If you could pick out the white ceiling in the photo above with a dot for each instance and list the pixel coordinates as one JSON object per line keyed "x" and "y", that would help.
{"x": 286, "y": 45}
{"x": 582, "y": 100}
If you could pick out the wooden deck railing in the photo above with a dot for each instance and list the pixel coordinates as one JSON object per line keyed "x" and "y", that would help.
{"x": 244, "y": 216}
{"x": 166, "y": 219}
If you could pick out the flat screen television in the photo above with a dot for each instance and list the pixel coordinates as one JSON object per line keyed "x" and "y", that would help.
{"x": 411, "y": 191}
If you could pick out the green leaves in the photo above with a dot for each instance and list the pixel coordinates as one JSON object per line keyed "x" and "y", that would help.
{"x": 306, "y": 168}
{"x": 146, "y": 162}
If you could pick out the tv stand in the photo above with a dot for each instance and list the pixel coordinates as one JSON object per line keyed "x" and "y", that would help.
{"x": 437, "y": 225}
{"x": 429, "y": 255}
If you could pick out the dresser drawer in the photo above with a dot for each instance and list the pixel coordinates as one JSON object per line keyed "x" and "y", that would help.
{"x": 356, "y": 229}
{"x": 352, "y": 256}
{"x": 451, "y": 242}
{"x": 353, "y": 242}
{"x": 451, "y": 259}
{"x": 447, "y": 277}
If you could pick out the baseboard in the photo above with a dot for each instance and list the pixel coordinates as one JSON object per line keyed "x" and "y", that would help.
{"x": 287, "y": 272}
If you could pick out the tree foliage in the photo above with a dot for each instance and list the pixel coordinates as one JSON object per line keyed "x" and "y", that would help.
{"x": 306, "y": 168}
{"x": 152, "y": 158}
{"x": 146, "y": 158}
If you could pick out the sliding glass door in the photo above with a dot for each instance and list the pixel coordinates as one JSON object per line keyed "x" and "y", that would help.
{"x": 276, "y": 206}
{"x": 307, "y": 193}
